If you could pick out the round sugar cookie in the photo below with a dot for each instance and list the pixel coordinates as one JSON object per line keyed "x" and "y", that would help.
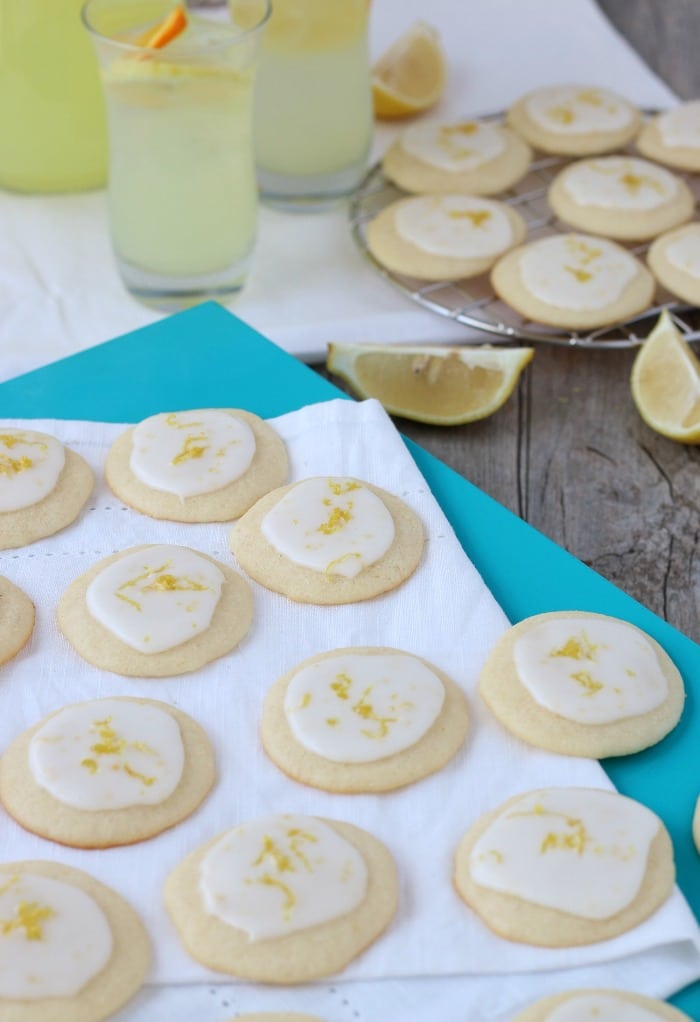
{"x": 120, "y": 780}
{"x": 268, "y": 873}
{"x": 204, "y": 465}
{"x": 329, "y": 540}
{"x": 582, "y": 684}
{"x": 16, "y": 619}
{"x": 565, "y": 867}
{"x": 574, "y": 281}
{"x": 363, "y": 719}
{"x": 674, "y": 259}
{"x": 601, "y": 1006}
{"x": 443, "y": 237}
{"x": 43, "y": 486}
{"x": 673, "y": 137}
{"x": 163, "y": 579}
{"x": 57, "y": 962}
{"x": 574, "y": 120}
{"x": 620, "y": 197}
{"x": 462, "y": 158}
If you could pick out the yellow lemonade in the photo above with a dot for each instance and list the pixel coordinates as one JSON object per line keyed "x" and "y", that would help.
{"x": 182, "y": 190}
{"x": 313, "y": 105}
{"x": 53, "y": 135}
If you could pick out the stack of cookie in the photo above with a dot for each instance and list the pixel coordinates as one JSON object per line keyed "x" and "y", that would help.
{"x": 613, "y": 192}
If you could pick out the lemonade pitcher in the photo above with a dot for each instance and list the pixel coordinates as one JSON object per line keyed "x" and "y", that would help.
{"x": 313, "y": 102}
{"x": 182, "y": 193}
{"x": 53, "y": 136}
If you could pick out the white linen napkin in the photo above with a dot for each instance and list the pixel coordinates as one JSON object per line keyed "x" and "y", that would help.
{"x": 444, "y": 613}
{"x": 59, "y": 290}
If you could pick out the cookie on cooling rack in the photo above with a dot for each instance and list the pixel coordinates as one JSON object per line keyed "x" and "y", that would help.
{"x": 601, "y": 1005}
{"x": 443, "y": 237}
{"x": 574, "y": 281}
{"x": 582, "y": 684}
{"x": 461, "y": 158}
{"x": 546, "y": 867}
{"x": 674, "y": 259}
{"x": 622, "y": 197}
{"x": 673, "y": 137}
{"x": 574, "y": 120}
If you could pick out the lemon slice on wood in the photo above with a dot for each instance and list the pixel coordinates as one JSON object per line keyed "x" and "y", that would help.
{"x": 442, "y": 386}
{"x": 410, "y": 76}
{"x": 666, "y": 383}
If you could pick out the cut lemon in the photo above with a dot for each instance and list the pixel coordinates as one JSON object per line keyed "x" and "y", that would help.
{"x": 442, "y": 386}
{"x": 410, "y": 77}
{"x": 171, "y": 27}
{"x": 666, "y": 383}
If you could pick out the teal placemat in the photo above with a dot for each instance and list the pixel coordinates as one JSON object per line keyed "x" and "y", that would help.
{"x": 207, "y": 357}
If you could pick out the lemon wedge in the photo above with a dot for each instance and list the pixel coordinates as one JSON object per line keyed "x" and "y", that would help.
{"x": 441, "y": 386}
{"x": 410, "y": 76}
{"x": 666, "y": 383}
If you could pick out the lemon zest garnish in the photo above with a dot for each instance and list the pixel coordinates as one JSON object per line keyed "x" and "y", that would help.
{"x": 561, "y": 114}
{"x": 577, "y": 647}
{"x": 148, "y": 781}
{"x": 29, "y": 917}
{"x": 587, "y": 683}
{"x": 171, "y": 420}
{"x": 582, "y": 276}
{"x": 340, "y": 488}
{"x": 337, "y": 520}
{"x": 341, "y": 686}
{"x": 330, "y": 567}
{"x": 193, "y": 447}
{"x": 13, "y": 466}
{"x": 89, "y": 764}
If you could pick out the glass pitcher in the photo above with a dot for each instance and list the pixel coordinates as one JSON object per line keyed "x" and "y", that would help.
{"x": 52, "y": 122}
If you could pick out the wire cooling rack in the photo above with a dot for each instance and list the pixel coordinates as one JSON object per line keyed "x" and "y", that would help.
{"x": 474, "y": 303}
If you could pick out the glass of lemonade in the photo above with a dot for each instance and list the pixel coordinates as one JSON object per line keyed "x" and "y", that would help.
{"x": 182, "y": 192}
{"x": 313, "y": 102}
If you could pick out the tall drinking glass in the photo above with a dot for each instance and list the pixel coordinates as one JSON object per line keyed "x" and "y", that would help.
{"x": 313, "y": 102}
{"x": 182, "y": 191}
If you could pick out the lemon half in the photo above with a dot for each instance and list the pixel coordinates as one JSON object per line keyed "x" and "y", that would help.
{"x": 442, "y": 386}
{"x": 410, "y": 76}
{"x": 666, "y": 383}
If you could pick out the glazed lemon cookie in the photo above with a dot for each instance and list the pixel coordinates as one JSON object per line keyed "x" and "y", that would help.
{"x": 43, "y": 486}
{"x": 283, "y": 899}
{"x": 600, "y": 1006}
{"x": 465, "y": 158}
{"x": 674, "y": 259}
{"x": 363, "y": 719}
{"x": 71, "y": 947}
{"x": 563, "y": 867}
{"x": 673, "y": 137}
{"x": 152, "y": 611}
{"x": 205, "y": 465}
{"x": 620, "y": 197}
{"x": 582, "y": 684}
{"x": 16, "y": 619}
{"x": 107, "y": 772}
{"x": 574, "y": 281}
{"x": 329, "y": 540}
{"x": 574, "y": 120}
{"x": 443, "y": 237}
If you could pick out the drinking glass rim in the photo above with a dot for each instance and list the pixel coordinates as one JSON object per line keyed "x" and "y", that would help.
{"x": 235, "y": 37}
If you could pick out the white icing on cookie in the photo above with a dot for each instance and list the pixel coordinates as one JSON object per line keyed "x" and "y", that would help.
{"x": 457, "y": 226}
{"x": 30, "y": 464}
{"x": 54, "y": 938}
{"x": 108, "y": 754}
{"x": 280, "y": 874}
{"x": 332, "y": 525}
{"x": 458, "y": 147}
{"x": 680, "y": 127}
{"x": 579, "y": 850}
{"x": 156, "y": 598}
{"x": 578, "y": 110}
{"x": 188, "y": 453}
{"x": 684, "y": 252}
{"x": 620, "y": 182}
{"x": 576, "y": 272}
{"x": 600, "y": 1008}
{"x": 589, "y": 670}
{"x": 358, "y": 708}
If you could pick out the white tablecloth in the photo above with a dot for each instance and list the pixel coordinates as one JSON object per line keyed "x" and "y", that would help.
{"x": 59, "y": 292}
